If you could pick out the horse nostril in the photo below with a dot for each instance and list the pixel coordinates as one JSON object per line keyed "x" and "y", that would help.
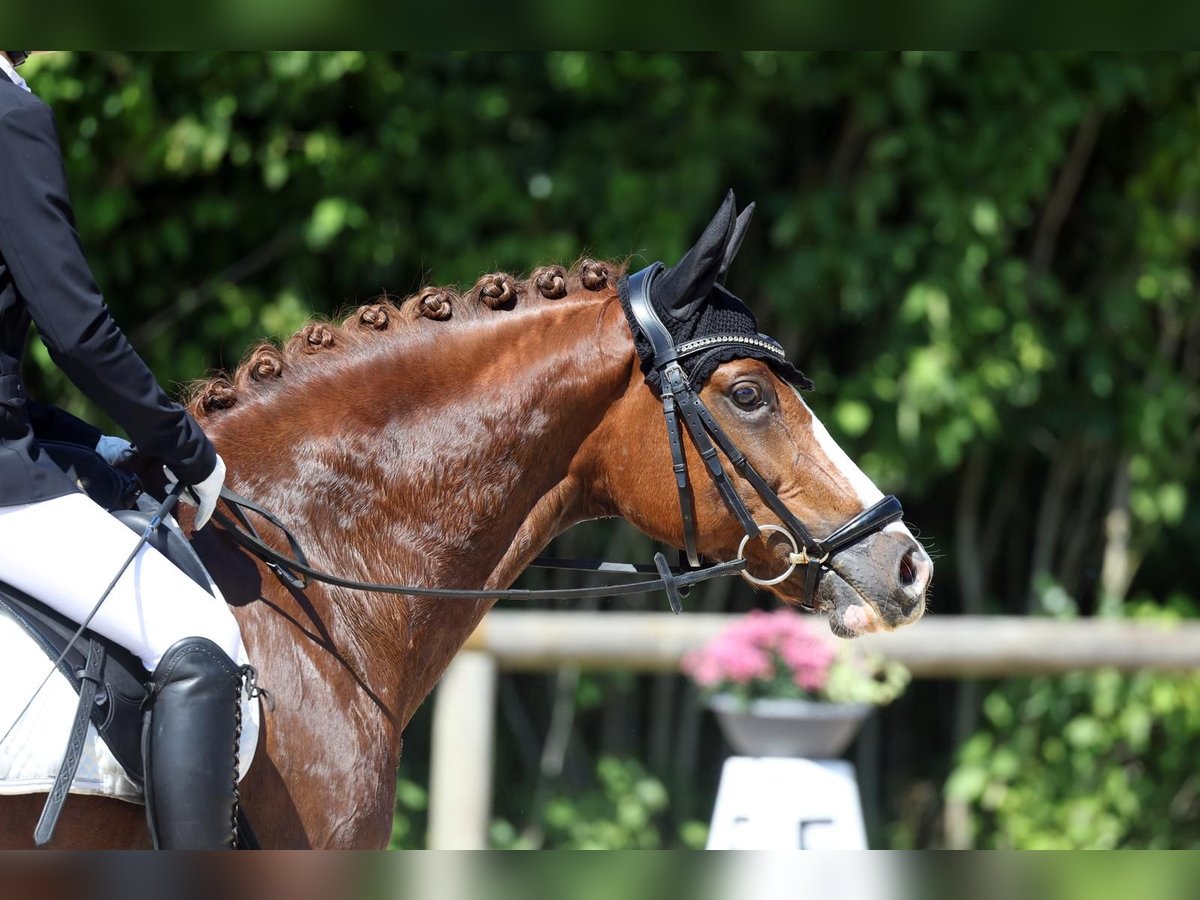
{"x": 908, "y": 569}
{"x": 914, "y": 576}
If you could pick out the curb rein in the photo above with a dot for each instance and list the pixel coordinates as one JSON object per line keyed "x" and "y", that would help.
{"x": 678, "y": 397}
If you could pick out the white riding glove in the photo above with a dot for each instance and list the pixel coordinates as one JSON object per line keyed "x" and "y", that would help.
{"x": 206, "y": 493}
{"x": 113, "y": 449}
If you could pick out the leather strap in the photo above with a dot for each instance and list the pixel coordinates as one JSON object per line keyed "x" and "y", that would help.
{"x": 675, "y": 385}
{"x": 687, "y": 509}
{"x": 238, "y": 503}
{"x": 89, "y": 681}
{"x": 879, "y": 516}
{"x": 298, "y": 564}
{"x": 743, "y": 467}
{"x": 652, "y": 327}
{"x": 689, "y": 405}
{"x": 664, "y": 350}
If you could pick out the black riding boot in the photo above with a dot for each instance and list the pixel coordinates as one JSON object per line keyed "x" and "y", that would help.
{"x": 189, "y": 744}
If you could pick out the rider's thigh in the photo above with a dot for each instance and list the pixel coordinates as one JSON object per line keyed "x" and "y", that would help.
{"x": 65, "y": 551}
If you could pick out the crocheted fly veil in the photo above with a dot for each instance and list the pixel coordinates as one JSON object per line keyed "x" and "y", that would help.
{"x": 704, "y": 318}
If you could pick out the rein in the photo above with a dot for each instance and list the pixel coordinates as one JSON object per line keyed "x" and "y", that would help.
{"x": 294, "y": 571}
{"x": 680, "y": 400}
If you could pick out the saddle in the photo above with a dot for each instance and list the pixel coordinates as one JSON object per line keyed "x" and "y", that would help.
{"x": 111, "y": 682}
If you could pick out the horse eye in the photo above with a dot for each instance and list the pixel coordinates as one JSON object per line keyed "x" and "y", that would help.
{"x": 747, "y": 395}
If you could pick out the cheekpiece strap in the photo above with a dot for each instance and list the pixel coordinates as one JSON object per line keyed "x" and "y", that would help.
{"x": 652, "y": 327}
{"x": 679, "y": 398}
{"x": 663, "y": 347}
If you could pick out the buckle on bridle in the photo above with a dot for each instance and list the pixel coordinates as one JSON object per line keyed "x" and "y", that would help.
{"x": 803, "y": 559}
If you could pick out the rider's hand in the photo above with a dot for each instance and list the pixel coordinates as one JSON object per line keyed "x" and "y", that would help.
{"x": 205, "y": 494}
{"x": 113, "y": 449}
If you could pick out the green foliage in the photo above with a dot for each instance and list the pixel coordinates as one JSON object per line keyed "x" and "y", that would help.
{"x": 1089, "y": 760}
{"x": 621, "y": 813}
{"x": 412, "y": 801}
{"x": 986, "y": 261}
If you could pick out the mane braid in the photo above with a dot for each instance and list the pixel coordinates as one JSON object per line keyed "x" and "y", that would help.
{"x": 267, "y": 364}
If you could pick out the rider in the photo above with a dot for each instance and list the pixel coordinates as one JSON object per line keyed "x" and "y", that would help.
{"x": 188, "y": 639}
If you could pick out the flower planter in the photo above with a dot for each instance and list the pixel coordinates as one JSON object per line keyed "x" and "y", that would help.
{"x": 802, "y": 728}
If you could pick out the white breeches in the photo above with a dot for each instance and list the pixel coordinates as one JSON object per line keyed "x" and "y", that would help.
{"x": 65, "y": 551}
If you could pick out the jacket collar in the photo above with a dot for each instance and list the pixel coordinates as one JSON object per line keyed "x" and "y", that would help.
{"x": 11, "y": 74}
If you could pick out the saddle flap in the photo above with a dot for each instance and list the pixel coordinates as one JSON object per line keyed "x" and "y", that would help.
{"x": 117, "y": 711}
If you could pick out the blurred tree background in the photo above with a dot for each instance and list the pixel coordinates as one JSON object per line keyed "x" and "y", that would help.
{"x": 986, "y": 262}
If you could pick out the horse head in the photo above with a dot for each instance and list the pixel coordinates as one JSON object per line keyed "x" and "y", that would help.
{"x": 812, "y": 526}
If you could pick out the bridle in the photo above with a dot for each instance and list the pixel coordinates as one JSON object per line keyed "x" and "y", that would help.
{"x": 679, "y": 399}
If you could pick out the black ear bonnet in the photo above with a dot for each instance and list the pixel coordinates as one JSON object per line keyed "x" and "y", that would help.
{"x": 700, "y": 312}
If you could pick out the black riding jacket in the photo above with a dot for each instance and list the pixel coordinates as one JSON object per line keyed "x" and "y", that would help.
{"x": 45, "y": 277}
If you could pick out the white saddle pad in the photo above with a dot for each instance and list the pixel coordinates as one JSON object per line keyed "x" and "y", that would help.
{"x": 30, "y": 756}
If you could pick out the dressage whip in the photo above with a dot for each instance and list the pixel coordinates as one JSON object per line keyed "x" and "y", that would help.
{"x": 163, "y": 511}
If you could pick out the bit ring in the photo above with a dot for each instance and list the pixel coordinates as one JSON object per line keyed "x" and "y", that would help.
{"x": 793, "y": 557}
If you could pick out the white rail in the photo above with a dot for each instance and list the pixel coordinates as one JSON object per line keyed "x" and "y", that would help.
{"x": 935, "y": 647}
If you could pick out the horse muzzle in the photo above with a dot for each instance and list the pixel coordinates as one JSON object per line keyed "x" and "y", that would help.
{"x": 878, "y": 584}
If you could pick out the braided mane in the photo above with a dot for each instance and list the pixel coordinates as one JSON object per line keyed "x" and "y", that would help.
{"x": 268, "y": 364}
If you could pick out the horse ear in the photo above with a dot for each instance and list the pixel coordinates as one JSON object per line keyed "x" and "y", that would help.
{"x": 684, "y": 286}
{"x": 735, "y": 240}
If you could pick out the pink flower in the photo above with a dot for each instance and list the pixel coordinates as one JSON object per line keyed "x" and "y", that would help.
{"x": 728, "y": 658}
{"x": 755, "y": 649}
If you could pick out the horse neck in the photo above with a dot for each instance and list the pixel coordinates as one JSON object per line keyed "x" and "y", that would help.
{"x": 450, "y": 462}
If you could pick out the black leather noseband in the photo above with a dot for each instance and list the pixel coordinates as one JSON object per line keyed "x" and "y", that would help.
{"x": 680, "y": 398}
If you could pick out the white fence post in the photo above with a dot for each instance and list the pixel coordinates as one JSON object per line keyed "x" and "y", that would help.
{"x": 460, "y": 782}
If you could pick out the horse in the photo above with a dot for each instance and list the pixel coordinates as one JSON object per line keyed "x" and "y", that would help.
{"x": 445, "y": 440}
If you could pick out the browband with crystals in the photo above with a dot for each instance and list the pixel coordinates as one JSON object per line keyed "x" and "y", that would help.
{"x": 704, "y": 343}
